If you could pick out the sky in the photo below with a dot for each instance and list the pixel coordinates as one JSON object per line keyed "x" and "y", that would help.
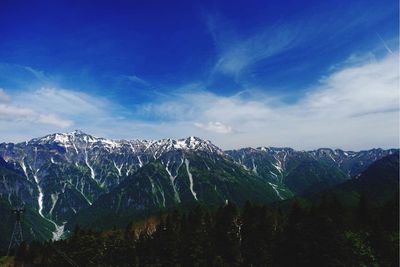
{"x": 301, "y": 74}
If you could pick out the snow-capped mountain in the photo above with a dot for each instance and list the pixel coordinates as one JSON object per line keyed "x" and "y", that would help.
{"x": 70, "y": 170}
{"x": 61, "y": 174}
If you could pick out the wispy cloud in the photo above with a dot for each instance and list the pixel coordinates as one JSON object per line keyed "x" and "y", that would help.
{"x": 21, "y": 77}
{"x": 245, "y": 53}
{"x": 15, "y": 113}
{"x": 33, "y": 113}
{"x": 40, "y": 75}
{"x": 385, "y": 44}
{"x": 45, "y": 109}
{"x": 68, "y": 103}
{"x": 136, "y": 79}
{"x": 239, "y": 50}
{"x": 236, "y": 53}
{"x": 215, "y": 126}
{"x": 355, "y": 107}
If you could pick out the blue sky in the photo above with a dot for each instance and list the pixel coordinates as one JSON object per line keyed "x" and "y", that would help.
{"x": 304, "y": 74}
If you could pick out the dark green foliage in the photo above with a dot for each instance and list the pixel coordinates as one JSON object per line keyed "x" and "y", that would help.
{"x": 34, "y": 227}
{"x": 312, "y": 176}
{"x": 377, "y": 185}
{"x": 322, "y": 230}
{"x": 325, "y": 234}
{"x": 258, "y": 235}
{"x": 227, "y": 234}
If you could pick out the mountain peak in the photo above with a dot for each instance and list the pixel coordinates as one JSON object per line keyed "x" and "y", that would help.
{"x": 193, "y": 142}
{"x": 189, "y": 143}
{"x": 79, "y": 140}
{"x": 74, "y": 139}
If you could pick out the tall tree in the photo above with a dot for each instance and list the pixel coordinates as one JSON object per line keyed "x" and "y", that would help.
{"x": 227, "y": 234}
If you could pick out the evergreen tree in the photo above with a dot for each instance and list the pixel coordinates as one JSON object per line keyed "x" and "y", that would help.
{"x": 227, "y": 235}
{"x": 363, "y": 212}
{"x": 323, "y": 235}
{"x": 257, "y": 236}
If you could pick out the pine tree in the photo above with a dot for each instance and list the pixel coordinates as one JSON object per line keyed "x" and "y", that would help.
{"x": 227, "y": 234}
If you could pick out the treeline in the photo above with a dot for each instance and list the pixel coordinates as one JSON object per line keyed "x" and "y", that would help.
{"x": 326, "y": 234}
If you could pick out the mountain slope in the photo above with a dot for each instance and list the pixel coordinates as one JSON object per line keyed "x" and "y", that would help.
{"x": 379, "y": 183}
{"x": 70, "y": 171}
{"x": 62, "y": 175}
{"x": 306, "y": 171}
{"x": 313, "y": 176}
{"x": 197, "y": 179}
{"x": 14, "y": 191}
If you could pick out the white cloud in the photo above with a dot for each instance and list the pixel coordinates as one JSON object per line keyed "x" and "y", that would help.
{"x": 47, "y": 109}
{"x": 239, "y": 53}
{"x": 245, "y": 53}
{"x": 61, "y": 101}
{"x": 217, "y": 127}
{"x": 16, "y": 113}
{"x": 240, "y": 49}
{"x": 34, "y": 113}
{"x": 355, "y": 107}
{"x": 34, "y": 108}
{"x": 236, "y": 52}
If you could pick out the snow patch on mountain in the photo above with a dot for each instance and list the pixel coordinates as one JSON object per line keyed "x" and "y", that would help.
{"x": 54, "y": 199}
{"x": 254, "y": 166}
{"x": 140, "y": 161}
{"x": 190, "y": 179}
{"x": 119, "y": 168}
{"x": 40, "y": 196}
{"x": 172, "y": 179}
{"x": 58, "y": 232}
{"x": 275, "y": 187}
{"x": 92, "y": 173}
{"x": 22, "y": 164}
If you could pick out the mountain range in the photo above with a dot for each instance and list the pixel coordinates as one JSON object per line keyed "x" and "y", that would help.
{"x": 68, "y": 178}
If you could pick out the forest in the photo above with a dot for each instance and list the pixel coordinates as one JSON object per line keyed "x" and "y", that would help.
{"x": 326, "y": 233}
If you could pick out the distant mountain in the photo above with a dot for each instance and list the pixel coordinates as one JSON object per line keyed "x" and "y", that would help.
{"x": 379, "y": 183}
{"x": 306, "y": 171}
{"x": 63, "y": 175}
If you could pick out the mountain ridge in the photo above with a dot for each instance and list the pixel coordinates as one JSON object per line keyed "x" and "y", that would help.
{"x": 68, "y": 172}
{"x": 146, "y": 141}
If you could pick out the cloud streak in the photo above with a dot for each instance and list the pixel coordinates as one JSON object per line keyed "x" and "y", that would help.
{"x": 237, "y": 53}
{"x": 137, "y": 80}
{"x": 241, "y": 50}
{"x": 31, "y": 112}
{"x": 355, "y": 107}
{"x": 10, "y": 111}
{"x": 216, "y": 127}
